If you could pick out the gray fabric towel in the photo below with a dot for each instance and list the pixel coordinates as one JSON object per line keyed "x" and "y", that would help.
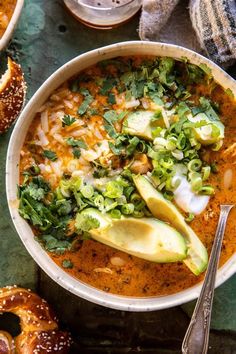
{"x": 213, "y": 21}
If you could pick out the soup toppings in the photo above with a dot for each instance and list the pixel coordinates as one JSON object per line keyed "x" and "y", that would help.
{"x": 127, "y": 153}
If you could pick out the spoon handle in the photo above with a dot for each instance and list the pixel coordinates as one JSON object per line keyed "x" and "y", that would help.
{"x": 197, "y": 336}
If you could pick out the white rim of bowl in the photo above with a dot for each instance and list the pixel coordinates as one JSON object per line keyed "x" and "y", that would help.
{"x": 12, "y": 24}
{"x": 40, "y": 256}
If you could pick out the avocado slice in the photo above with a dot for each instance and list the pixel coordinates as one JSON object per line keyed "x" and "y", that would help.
{"x": 197, "y": 257}
{"x": 141, "y": 123}
{"x": 210, "y": 133}
{"x": 145, "y": 238}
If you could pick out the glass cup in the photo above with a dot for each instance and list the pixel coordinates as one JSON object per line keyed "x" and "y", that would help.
{"x": 103, "y": 14}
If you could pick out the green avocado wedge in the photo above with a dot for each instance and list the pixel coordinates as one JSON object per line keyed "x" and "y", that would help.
{"x": 141, "y": 123}
{"x": 146, "y": 238}
{"x": 197, "y": 257}
{"x": 210, "y": 133}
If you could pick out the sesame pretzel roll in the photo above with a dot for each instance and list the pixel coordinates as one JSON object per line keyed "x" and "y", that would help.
{"x": 6, "y": 343}
{"x": 12, "y": 95}
{"x": 39, "y": 326}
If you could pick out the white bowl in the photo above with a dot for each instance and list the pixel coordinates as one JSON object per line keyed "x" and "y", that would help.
{"x": 12, "y": 24}
{"x": 12, "y": 176}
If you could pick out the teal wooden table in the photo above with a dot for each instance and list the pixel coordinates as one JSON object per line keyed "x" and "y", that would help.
{"x": 47, "y": 37}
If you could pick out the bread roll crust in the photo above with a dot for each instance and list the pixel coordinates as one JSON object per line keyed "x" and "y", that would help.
{"x": 39, "y": 326}
{"x": 12, "y": 95}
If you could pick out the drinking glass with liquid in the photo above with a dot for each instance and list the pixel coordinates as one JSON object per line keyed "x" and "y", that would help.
{"x": 103, "y": 14}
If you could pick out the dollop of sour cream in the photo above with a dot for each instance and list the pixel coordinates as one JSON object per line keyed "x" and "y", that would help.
{"x": 186, "y": 199}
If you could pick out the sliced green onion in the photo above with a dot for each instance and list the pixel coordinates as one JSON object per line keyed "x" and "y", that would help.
{"x": 193, "y": 141}
{"x": 171, "y": 143}
{"x": 127, "y": 174}
{"x": 65, "y": 187}
{"x": 191, "y": 154}
{"x": 121, "y": 200}
{"x": 181, "y": 141}
{"x": 109, "y": 204}
{"x": 140, "y": 205}
{"x": 163, "y": 133}
{"x": 147, "y": 212}
{"x": 113, "y": 190}
{"x": 217, "y": 146}
{"x": 196, "y": 184}
{"x": 153, "y": 154}
{"x": 168, "y": 195}
{"x": 87, "y": 191}
{"x": 168, "y": 184}
{"x": 194, "y": 165}
{"x": 123, "y": 182}
{"x": 99, "y": 202}
{"x": 127, "y": 209}
{"x": 179, "y": 155}
{"x": 161, "y": 186}
{"x": 128, "y": 191}
{"x": 206, "y": 170}
{"x": 76, "y": 183}
{"x": 115, "y": 214}
{"x": 138, "y": 214}
{"x": 160, "y": 142}
{"x": 190, "y": 217}
{"x": 155, "y": 179}
{"x": 156, "y": 132}
{"x": 207, "y": 190}
{"x": 167, "y": 163}
{"x": 175, "y": 182}
{"x": 135, "y": 198}
{"x": 59, "y": 194}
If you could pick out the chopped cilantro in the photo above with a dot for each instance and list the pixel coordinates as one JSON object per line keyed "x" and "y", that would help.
{"x": 49, "y": 154}
{"x": 86, "y": 223}
{"x": 194, "y": 73}
{"x": 115, "y": 149}
{"x": 182, "y": 109}
{"x": 54, "y": 245}
{"x": 206, "y": 107}
{"x": 77, "y": 143}
{"x": 112, "y": 116}
{"x": 206, "y": 69}
{"x": 111, "y": 98}
{"x": 110, "y": 130}
{"x": 93, "y": 111}
{"x": 66, "y": 263}
{"x": 108, "y": 84}
{"x": 76, "y": 153}
{"x": 86, "y": 102}
{"x": 48, "y": 211}
{"x": 68, "y": 120}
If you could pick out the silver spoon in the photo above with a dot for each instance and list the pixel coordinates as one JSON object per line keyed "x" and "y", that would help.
{"x": 197, "y": 336}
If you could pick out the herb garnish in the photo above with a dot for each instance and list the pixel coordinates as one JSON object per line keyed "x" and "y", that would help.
{"x": 77, "y": 143}
{"x": 66, "y": 263}
{"x": 86, "y": 102}
{"x": 68, "y": 120}
{"x": 49, "y": 154}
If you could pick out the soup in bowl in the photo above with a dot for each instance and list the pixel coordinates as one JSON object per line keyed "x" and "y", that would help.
{"x": 9, "y": 15}
{"x": 122, "y": 159}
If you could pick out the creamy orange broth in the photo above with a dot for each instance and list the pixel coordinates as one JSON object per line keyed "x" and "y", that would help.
{"x": 93, "y": 261}
{"x": 6, "y": 11}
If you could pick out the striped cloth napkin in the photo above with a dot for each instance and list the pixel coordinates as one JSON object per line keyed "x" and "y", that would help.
{"x": 213, "y": 21}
